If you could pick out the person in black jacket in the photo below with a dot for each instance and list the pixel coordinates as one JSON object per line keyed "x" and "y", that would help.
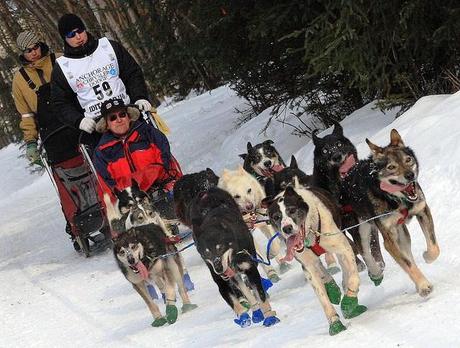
{"x": 90, "y": 72}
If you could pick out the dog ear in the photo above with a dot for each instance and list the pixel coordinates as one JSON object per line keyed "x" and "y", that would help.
{"x": 316, "y": 140}
{"x": 243, "y": 156}
{"x": 249, "y": 146}
{"x": 267, "y": 201}
{"x": 376, "y": 150}
{"x": 395, "y": 139}
{"x": 293, "y": 163}
{"x": 338, "y": 130}
{"x": 268, "y": 142}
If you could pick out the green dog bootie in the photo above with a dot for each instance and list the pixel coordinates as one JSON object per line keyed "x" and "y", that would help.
{"x": 159, "y": 322}
{"x": 171, "y": 313}
{"x": 274, "y": 278}
{"x": 336, "y": 327}
{"x": 187, "y": 307}
{"x": 333, "y": 292}
{"x": 351, "y": 308}
{"x": 377, "y": 280}
{"x": 284, "y": 267}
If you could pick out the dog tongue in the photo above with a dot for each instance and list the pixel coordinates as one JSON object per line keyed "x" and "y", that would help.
{"x": 391, "y": 188}
{"x": 292, "y": 244}
{"x": 142, "y": 270}
{"x": 277, "y": 168}
{"x": 346, "y": 165}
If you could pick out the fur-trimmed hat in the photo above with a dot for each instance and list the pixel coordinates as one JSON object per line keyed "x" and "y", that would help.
{"x": 27, "y": 39}
{"x": 113, "y": 104}
{"x": 69, "y": 22}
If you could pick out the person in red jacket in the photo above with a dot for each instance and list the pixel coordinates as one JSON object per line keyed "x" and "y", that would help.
{"x": 131, "y": 149}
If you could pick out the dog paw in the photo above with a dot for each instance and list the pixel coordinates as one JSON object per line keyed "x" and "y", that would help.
{"x": 284, "y": 267}
{"x": 432, "y": 255}
{"x": 333, "y": 292}
{"x": 189, "y": 286}
{"x": 377, "y": 280}
{"x": 243, "y": 320}
{"x": 351, "y": 308}
{"x": 266, "y": 283}
{"x": 333, "y": 269}
{"x": 187, "y": 307}
{"x": 159, "y": 322}
{"x": 171, "y": 313}
{"x": 336, "y": 327}
{"x": 425, "y": 290}
{"x": 257, "y": 316}
{"x": 270, "y": 321}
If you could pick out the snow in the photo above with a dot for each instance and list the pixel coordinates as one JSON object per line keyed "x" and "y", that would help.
{"x": 53, "y": 297}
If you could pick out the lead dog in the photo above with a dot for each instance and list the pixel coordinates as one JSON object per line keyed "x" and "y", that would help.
{"x": 308, "y": 220}
{"x": 386, "y": 183}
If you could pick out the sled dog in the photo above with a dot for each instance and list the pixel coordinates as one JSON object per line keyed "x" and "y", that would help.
{"x": 334, "y": 157}
{"x": 248, "y": 194}
{"x": 308, "y": 220}
{"x": 225, "y": 244}
{"x": 387, "y": 183}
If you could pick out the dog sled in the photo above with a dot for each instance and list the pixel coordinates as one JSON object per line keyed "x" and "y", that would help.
{"x": 75, "y": 183}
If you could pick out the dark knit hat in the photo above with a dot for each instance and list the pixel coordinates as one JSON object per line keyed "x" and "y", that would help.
{"x": 69, "y": 22}
{"x": 27, "y": 39}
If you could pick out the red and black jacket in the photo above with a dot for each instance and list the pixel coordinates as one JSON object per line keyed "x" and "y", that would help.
{"x": 143, "y": 155}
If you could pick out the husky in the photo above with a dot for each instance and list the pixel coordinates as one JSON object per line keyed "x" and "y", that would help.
{"x": 386, "y": 183}
{"x": 248, "y": 194}
{"x": 308, "y": 220}
{"x": 334, "y": 157}
{"x": 224, "y": 243}
{"x": 141, "y": 255}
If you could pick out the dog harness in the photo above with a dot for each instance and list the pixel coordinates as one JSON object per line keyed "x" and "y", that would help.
{"x": 315, "y": 247}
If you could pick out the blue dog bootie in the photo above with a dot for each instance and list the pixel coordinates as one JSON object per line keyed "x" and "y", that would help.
{"x": 153, "y": 293}
{"x": 244, "y": 320}
{"x": 266, "y": 283}
{"x": 270, "y": 321}
{"x": 257, "y": 316}
{"x": 188, "y": 282}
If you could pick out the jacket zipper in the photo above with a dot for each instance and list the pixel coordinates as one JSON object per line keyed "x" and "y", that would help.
{"x": 128, "y": 156}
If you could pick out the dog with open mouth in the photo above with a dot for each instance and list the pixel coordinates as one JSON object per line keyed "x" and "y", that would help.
{"x": 334, "y": 157}
{"x": 386, "y": 183}
{"x": 308, "y": 220}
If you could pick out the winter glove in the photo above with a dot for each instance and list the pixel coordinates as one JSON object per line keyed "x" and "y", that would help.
{"x": 144, "y": 105}
{"x": 87, "y": 125}
{"x": 32, "y": 153}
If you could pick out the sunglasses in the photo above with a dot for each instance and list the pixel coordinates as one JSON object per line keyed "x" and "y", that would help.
{"x": 35, "y": 47}
{"x": 73, "y": 33}
{"x": 113, "y": 117}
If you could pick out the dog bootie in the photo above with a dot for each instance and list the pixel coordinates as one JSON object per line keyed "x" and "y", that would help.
{"x": 257, "y": 316}
{"x": 351, "y": 308}
{"x": 336, "y": 327}
{"x": 270, "y": 321}
{"x": 171, "y": 313}
{"x": 159, "y": 322}
{"x": 188, "y": 282}
{"x": 333, "y": 268}
{"x": 244, "y": 303}
{"x": 377, "y": 280}
{"x": 284, "y": 267}
{"x": 266, "y": 283}
{"x": 153, "y": 293}
{"x": 187, "y": 307}
{"x": 333, "y": 292}
{"x": 243, "y": 320}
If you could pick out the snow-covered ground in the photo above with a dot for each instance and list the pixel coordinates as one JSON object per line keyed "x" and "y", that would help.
{"x": 52, "y": 297}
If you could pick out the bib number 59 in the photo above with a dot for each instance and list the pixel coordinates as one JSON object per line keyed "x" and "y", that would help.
{"x": 102, "y": 89}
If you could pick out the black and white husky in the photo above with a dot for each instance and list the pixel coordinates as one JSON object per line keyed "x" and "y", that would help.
{"x": 334, "y": 157}
{"x": 308, "y": 220}
{"x": 385, "y": 186}
{"x": 225, "y": 244}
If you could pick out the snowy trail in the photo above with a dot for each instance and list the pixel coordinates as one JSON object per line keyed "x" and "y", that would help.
{"x": 52, "y": 297}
